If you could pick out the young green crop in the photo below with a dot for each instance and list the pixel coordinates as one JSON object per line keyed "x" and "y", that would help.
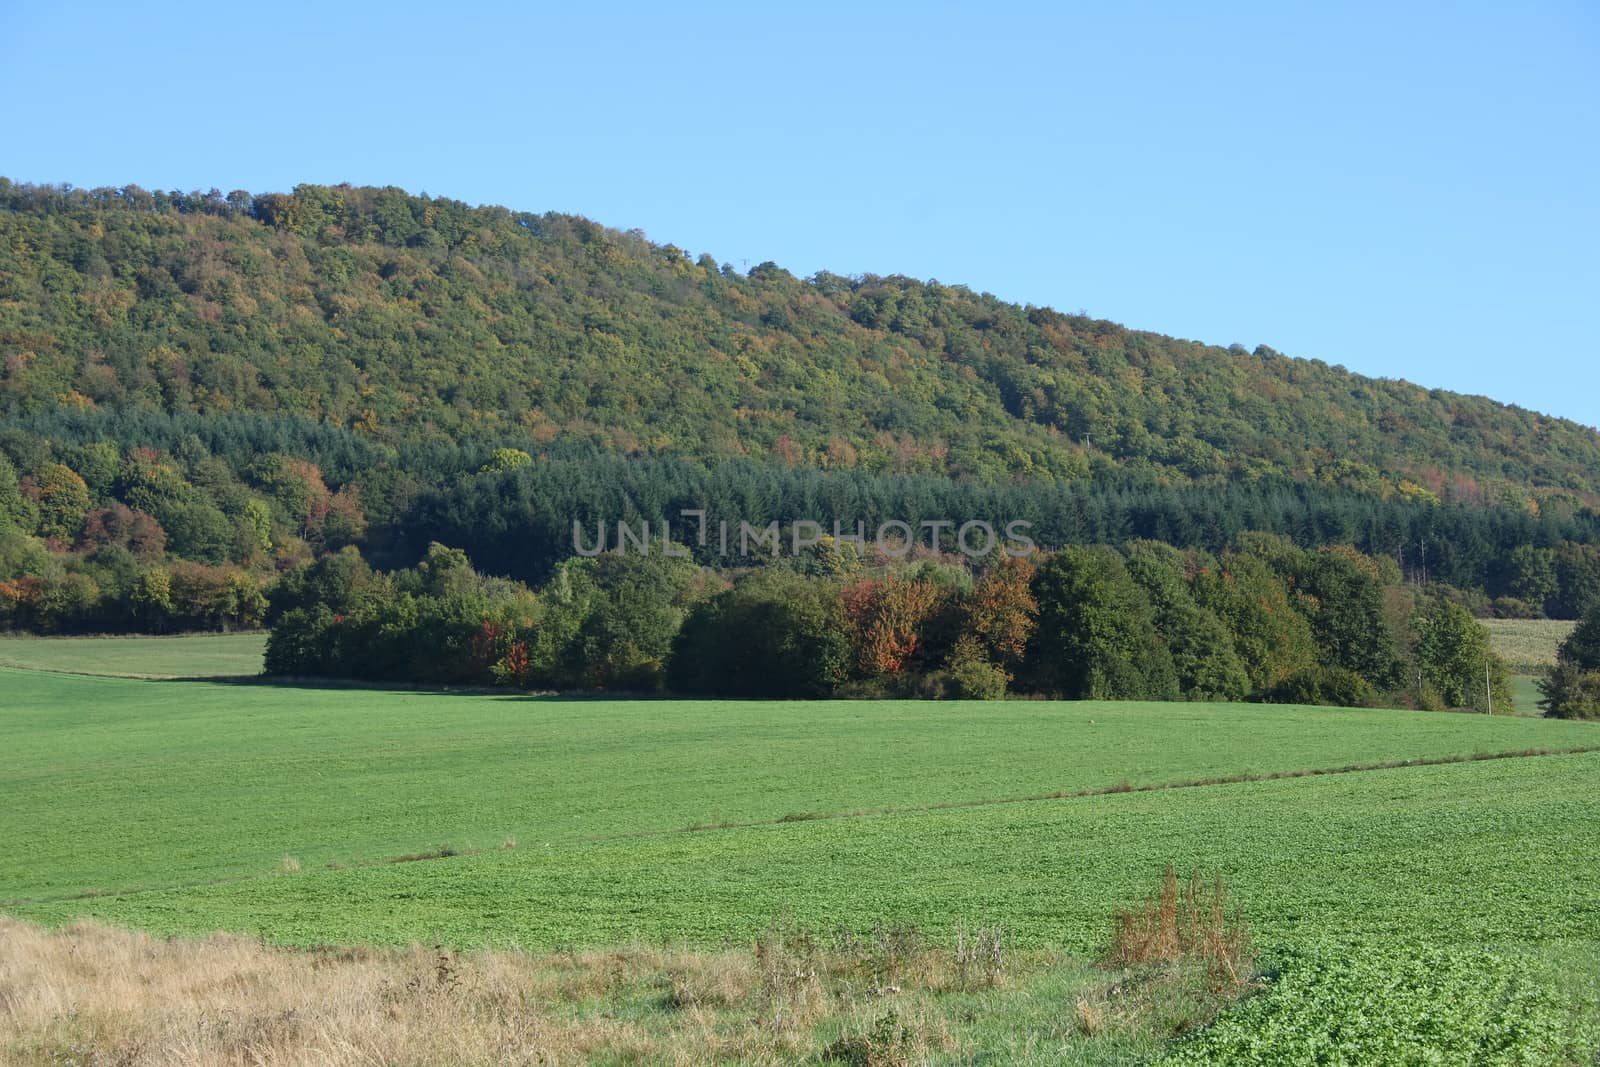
{"x": 116, "y": 784}
{"x": 1349, "y": 1005}
{"x": 1465, "y": 854}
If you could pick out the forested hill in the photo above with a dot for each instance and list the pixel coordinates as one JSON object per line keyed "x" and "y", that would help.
{"x": 406, "y": 318}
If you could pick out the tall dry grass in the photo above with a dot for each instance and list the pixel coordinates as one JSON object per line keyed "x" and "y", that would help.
{"x": 98, "y": 996}
{"x": 95, "y": 995}
{"x": 1186, "y": 922}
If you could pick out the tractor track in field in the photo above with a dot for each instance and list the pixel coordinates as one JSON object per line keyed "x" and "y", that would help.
{"x": 1113, "y": 790}
{"x": 1243, "y": 777}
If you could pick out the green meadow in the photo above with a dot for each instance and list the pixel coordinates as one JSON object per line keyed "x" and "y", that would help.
{"x": 191, "y": 805}
{"x": 121, "y": 784}
{"x": 1496, "y": 853}
{"x": 1355, "y": 842}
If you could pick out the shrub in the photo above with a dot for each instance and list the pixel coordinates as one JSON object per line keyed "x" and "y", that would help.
{"x": 775, "y": 634}
{"x": 1203, "y": 653}
{"x": 301, "y": 644}
{"x": 63, "y": 501}
{"x": 1453, "y": 654}
{"x": 1185, "y": 922}
{"x": 886, "y": 620}
{"x": 1270, "y": 637}
{"x": 1096, "y": 638}
{"x": 1507, "y": 607}
{"x": 1327, "y": 686}
{"x": 1582, "y": 646}
{"x": 632, "y": 616}
{"x": 893, "y": 1040}
{"x": 1342, "y": 597}
{"x": 1002, "y": 612}
{"x": 972, "y": 675}
{"x": 1569, "y": 692}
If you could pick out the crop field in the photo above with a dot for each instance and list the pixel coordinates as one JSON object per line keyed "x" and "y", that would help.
{"x": 1527, "y": 645}
{"x": 188, "y": 656}
{"x": 1361, "y": 854}
{"x": 1354, "y": 842}
{"x": 217, "y": 781}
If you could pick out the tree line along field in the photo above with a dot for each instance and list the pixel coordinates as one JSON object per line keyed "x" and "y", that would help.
{"x": 168, "y": 451}
{"x": 318, "y": 816}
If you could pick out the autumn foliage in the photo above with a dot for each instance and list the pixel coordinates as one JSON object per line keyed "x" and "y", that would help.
{"x": 1002, "y": 611}
{"x": 887, "y": 616}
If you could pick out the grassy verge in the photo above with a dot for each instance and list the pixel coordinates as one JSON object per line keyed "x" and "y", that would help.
{"x": 96, "y": 994}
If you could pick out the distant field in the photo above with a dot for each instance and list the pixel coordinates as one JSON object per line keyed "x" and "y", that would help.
{"x": 1527, "y": 645}
{"x": 191, "y": 656}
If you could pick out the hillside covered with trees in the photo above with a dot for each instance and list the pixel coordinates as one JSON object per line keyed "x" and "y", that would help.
{"x": 202, "y": 396}
{"x": 406, "y": 318}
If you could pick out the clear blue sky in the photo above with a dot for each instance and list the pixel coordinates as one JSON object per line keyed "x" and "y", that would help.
{"x": 1407, "y": 189}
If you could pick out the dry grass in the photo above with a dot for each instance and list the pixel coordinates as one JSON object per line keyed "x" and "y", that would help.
{"x": 892, "y": 1039}
{"x": 97, "y": 996}
{"x": 1186, "y": 923}
{"x": 1173, "y": 962}
{"x": 94, "y": 995}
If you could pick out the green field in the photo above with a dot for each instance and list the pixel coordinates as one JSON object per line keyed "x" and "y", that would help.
{"x": 1528, "y": 646}
{"x": 189, "y": 656}
{"x": 1525, "y": 693}
{"x": 121, "y": 784}
{"x": 327, "y": 816}
{"x": 1498, "y": 852}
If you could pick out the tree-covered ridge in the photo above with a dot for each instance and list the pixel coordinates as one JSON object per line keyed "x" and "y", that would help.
{"x": 408, "y": 318}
